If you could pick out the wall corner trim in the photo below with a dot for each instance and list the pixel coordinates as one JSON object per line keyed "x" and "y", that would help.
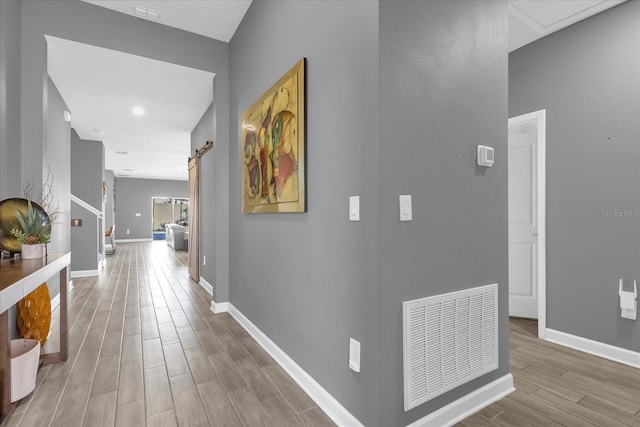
{"x": 325, "y": 401}
{"x": 206, "y": 286}
{"x": 219, "y": 307}
{"x": 468, "y": 405}
{"x": 84, "y": 273}
{"x": 607, "y": 351}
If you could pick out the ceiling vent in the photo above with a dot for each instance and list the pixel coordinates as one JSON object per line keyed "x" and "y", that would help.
{"x": 141, "y": 12}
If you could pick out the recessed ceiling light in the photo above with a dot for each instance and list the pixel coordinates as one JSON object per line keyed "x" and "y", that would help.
{"x": 138, "y": 111}
{"x": 128, "y": 170}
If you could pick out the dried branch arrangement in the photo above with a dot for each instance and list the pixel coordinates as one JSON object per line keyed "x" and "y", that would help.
{"x": 46, "y": 199}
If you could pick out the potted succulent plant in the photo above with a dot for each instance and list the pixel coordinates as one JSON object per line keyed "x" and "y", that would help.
{"x": 33, "y": 235}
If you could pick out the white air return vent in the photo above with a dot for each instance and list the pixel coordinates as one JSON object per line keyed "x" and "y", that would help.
{"x": 448, "y": 340}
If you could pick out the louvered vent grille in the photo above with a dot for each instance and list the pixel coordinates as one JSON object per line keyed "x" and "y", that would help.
{"x": 448, "y": 340}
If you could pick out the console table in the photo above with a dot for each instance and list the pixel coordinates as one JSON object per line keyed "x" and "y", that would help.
{"x": 18, "y": 277}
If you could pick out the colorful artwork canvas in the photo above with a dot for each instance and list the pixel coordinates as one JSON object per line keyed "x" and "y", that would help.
{"x": 273, "y": 146}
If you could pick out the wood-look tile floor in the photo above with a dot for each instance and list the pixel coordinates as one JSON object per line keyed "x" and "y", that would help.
{"x": 558, "y": 386}
{"x": 145, "y": 349}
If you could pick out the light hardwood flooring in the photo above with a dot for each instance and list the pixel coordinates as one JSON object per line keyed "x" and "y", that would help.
{"x": 558, "y": 386}
{"x": 145, "y": 349}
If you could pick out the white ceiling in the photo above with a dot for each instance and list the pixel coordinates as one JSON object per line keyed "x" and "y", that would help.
{"x": 101, "y": 86}
{"x": 217, "y": 19}
{"x": 530, "y": 20}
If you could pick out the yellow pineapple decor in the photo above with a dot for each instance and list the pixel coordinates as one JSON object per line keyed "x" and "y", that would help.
{"x": 34, "y": 314}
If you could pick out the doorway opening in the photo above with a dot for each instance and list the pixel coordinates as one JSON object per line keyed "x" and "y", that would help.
{"x": 527, "y": 217}
{"x": 168, "y": 210}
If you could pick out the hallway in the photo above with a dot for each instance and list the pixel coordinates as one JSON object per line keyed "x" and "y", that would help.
{"x": 145, "y": 349}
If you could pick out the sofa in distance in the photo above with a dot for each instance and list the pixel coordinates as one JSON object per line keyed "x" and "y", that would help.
{"x": 175, "y": 236}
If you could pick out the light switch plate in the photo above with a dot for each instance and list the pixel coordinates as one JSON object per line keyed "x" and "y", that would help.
{"x": 406, "y": 213}
{"x": 354, "y": 208}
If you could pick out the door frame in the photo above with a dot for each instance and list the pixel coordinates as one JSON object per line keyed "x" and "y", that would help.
{"x": 541, "y": 167}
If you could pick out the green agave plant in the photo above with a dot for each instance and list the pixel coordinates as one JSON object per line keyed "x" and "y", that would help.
{"x": 33, "y": 229}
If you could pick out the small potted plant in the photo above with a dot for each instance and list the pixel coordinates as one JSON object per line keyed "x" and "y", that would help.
{"x": 34, "y": 234}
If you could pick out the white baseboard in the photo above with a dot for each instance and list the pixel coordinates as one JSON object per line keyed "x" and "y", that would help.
{"x": 607, "y": 351}
{"x": 84, "y": 273}
{"x": 468, "y": 405}
{"x": 219, "y": 307}
{"x": 206, "y": 285}
{"x": 132, "y": 240}
{"x": 55, "y": 302}
{"x": 216, "y": 307}
{"x": 325, "y": 401}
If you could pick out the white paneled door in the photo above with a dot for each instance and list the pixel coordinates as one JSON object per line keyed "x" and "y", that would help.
{"x": 525, "y": 148}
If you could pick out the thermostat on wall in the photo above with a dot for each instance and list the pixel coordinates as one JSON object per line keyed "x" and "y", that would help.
{"x": 485, "y": 156}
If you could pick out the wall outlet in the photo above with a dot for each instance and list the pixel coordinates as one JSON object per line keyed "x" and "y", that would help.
{"x": 354, "y": 355}
{"x": 204, "y": 260}
{"x": 628, "y": 301}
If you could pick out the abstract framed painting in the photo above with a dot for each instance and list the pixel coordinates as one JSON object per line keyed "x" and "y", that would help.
{"x": 272, "y": 147}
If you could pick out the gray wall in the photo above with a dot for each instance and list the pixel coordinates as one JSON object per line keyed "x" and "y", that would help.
{"x": 109, "y": 206}
{"x": 441, "y": 94}
{"x": 87, "y": 170}
{"x": 412, "y": 129}
{"x": 87, "y": 174}
{"x": 10, "y": 179}
{"x": 134, "y": 196}
{"x": 57, "y": 152}
{"x": 84, "y": 240}
{"x": 309, "y": 281}
{"x": 56, "y": 149}
{"x": 586, "y": 77}
{"x": 202, "y": 133}
{"x": 10, "y": 183}
{"x": 215, "y": 223}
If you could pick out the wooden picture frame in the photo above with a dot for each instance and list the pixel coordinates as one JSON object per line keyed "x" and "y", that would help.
{"x": 272, "y": 147}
